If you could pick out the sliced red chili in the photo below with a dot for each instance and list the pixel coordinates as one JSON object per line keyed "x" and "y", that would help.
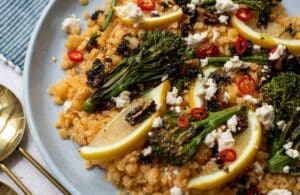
{"x": 183, "y": 121}
{"x": 207, "y": 50}
{"x": 247, "y": 85}
{"x": 146, "y": 5}
{"x": 244, "y": 14}
{"x": 228, "y": 155}
{"x": 240, "y": 45}
{"x": 253, "y": 190}
{"x": 198, "y": 113}
{"x": 75, "y": 56}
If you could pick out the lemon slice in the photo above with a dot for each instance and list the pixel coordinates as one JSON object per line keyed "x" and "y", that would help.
{"x": 118, "y": 137}
{"x": 264, "y": 39}
{"x": 194, "y": 99}
{"x": 152, "y": 22}
{"x": 246, "y": 146}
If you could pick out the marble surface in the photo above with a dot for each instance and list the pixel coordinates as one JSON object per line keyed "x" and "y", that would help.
{"x": 34, "y": 180}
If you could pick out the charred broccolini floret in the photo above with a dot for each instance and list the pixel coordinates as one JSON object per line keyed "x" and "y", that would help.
{"x": 156, "y": 50}
{"x": 178, "y": 145}
{"x": 283, "y": 92}
{"x": 263, "y": 8}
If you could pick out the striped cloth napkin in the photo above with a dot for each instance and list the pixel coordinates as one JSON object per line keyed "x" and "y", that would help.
{"x": 17, "y": 21}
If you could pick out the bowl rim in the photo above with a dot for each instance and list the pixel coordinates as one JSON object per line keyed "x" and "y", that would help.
{"x": 27, "y": 103}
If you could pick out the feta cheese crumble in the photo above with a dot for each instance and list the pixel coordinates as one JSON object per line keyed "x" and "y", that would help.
{"x": 279, "y": 192}
{"x": 193, "y": 40}
{"x": 122, "y": 100}
{"x": 204, "y": 62}
{"x": 226, "y": 6}
{"x": 288, "y": 145}
{"x": 173, "y": 98}
{"x": 157, "y": 122}
{"x": 211, "y": 89}
{"x": 191, "y": 6}
{"x": 223, "y": 19}
{"x": 225, "y": 140}
{"x": 266, "y": 116}
{"x": 232, "y": 123}
{"x": 256, "y": 48}
{"x": 130, "y": 10}
{"x": 235, "y": 63}
{"x": 175, "y": 191}
{"x": 279, "y": 51}
{"x": 292, "y": 153}
{"x": 286, "y": 169}
{"x": 71, "y": 24}
{"x": 250, "y": 99}
{"x": 281, "y": 124}
{"x": 147, "y": 151}
{"x": 67, "y": 105}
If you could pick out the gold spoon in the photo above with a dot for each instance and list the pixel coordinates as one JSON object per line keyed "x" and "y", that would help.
{"x": 12, "y": 128}
{"x": 6, "y": 190}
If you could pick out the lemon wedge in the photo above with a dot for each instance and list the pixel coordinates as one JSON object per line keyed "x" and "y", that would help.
{"x": 118, "y": 137}
{"x": 246, "y": 146}
{"x": 194, "y": 99}
{"x": 152, "y": 22}
{"x": 264, "y": 39}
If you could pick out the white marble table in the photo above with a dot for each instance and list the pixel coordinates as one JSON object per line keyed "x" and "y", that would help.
{"x": 35, "y": 181}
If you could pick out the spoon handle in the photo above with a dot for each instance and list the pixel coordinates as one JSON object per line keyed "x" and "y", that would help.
{"x": 15, "y": 179}
{"x": 39, "y": 167}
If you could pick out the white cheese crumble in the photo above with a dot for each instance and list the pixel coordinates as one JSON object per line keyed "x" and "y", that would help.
{"x": 292, "y": 153}
{"x": 164, "y": 78}
{"x": 211, "y": 89}
{"x": 193, "y": 40}
{"x": 177, "y": 109}
{"x": 279, "y": 51}
{"x": 266, "y": 115}
{"x": 130, "y": 10}
{"x": 288, "y": 145}
{"x": 175, "y": 191}
{"x": 211, "y": 138}
{"x": 223, "y": 19}
{"x": 157, "y": 122}
{"x": 204, "y": 62}
{"x": 232, "y": 123}
{"x": 122, "y": 100}
{"x": 197, "y": 2}
{"x": 71, "y": 24}
{"x": 298, "y": 109}
{"x": 250, "y": 99}
{"x": 258, "y": 168}
{"x": 191, "y": 6}
{"x": 286, "y": 169}
{"x": 226, "y": 6}
{"x": 67, "y": 105}
{"x": 173, "y": 98}
{"x": 279, "y": 192}
{"x": 281, "y": 124}
{"x": 235, "y": 63}
{"x": 147, "y": 151}
{"x": 225, "y": 140}
{"x": 226, "y": 97}
{"x": 256, "y": 48}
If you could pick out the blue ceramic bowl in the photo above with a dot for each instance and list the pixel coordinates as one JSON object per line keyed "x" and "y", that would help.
{"x": 40, "y": 73}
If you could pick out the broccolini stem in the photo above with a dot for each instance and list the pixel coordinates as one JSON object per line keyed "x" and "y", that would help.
{"x": 278, "y": 161}
{"x": 259, "y": 58}
{"x": 109, "y": 16}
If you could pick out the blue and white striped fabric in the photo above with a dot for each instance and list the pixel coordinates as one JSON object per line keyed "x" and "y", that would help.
{"x": 17, "y": 20}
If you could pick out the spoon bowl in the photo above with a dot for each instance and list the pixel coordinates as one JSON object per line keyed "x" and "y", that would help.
{"x": 12, "y": 122}
{"x": 12, "y": 128}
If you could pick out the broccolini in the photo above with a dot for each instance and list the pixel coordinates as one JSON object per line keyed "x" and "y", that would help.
{"x": 283, "y": 92}
{"x": 150, "y": 62}
{"x": 178, "y": 145}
